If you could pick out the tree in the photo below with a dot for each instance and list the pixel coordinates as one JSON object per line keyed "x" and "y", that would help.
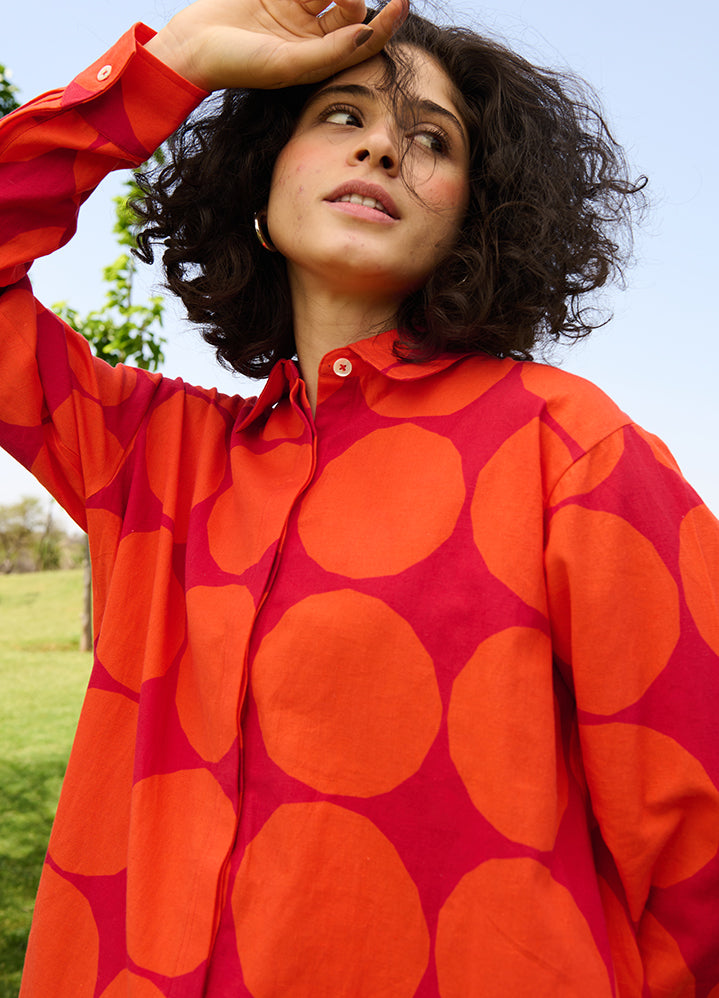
{"x": 29, "y": 540}
{"x": 7, "y": 92}
{"x": 122, "y": 331}
{"x": 119, "y": 332}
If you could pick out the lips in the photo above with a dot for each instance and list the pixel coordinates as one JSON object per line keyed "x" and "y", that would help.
{"x": 368, "y": 195}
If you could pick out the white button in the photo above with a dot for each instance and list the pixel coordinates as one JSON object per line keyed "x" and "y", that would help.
{"x": 104, "y": 73}
{"x": 342, "y": 367}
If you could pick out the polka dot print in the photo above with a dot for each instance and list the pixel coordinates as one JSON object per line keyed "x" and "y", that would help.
{"x": 332, "y": 720}
{"x": 396, "y": 509}
{"x": 208, "y": 720}
{"x": 354, "y": 869}
{"x": 510, "y": 540}
{"x": 622, "y": 569}
{"x": 662, "y": 774}
{"x": 102, "y": 848}
{"x": 699, "y": 562}
{"x": 486, "y": 946}
{"x": 517, "y": 783}
{"x": 69, "y": 963}
{"x": 168, "y": 877}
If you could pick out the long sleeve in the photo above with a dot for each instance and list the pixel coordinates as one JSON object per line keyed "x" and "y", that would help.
{"x": 59, "y": 406}
{"x": 633, "y": 581}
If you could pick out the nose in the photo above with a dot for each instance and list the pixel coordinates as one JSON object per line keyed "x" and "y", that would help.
{"x": 377, "y": 146}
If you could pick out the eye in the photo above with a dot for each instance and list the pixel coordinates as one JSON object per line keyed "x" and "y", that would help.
{"x": 433, "y": 140}
{"x": 341, "y": 115}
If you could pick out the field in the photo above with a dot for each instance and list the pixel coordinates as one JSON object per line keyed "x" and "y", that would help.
{"x": 42, "y": 680}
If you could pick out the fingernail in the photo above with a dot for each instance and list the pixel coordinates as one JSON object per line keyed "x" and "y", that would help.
{"x": 363, "y": 36}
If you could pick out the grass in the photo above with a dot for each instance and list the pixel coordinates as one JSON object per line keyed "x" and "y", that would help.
{"x": 42, "y": 678}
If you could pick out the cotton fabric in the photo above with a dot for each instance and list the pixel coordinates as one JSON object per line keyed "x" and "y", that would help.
{"x": 414, "y": 697}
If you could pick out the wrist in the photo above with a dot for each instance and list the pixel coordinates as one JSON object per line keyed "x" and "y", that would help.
{"x": 176, "y": 55}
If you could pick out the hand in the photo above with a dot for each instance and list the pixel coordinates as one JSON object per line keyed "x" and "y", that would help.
{"x": 266, "y": 44}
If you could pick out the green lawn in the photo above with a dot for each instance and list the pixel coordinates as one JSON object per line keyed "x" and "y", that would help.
{"x": 42, "y": 680}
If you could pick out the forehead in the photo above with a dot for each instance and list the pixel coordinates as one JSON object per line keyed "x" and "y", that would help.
{"x": 427, "y": 80}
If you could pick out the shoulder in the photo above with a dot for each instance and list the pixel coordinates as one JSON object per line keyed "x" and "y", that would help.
{"x": 583, "y": 411}
{"x": 579, "y": 407}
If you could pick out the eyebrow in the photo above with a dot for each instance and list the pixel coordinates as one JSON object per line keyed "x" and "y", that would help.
{"x": 424, "y": 105}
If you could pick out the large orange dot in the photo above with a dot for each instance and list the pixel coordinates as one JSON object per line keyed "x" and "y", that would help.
{"x": 90, "y": 837}
{"x": 656, "y": 806}
{"x": 346, "y": 694}
{"x": 452, "y": 390}
{"x": 181, "y": 426}
{"x": 86, "y": 416}
{"x": 141, "y": 642}
{"x": 665, "y": 967}
{"x": 384, "y": 504}
{"x": 605, "y": 582}
{"x": 508, "y": 511}
{"x": 509, "y": 928}
{"x": 324, "y": 906}
{"x": 502, "y": 736}
{"x": 182, "y": 829}
{"x": 64, "y": 961}
{"x": 219, "y": 620}
{"x": 127, "y": 984}
{"x": 699, "y": 566}
{"x": 250, "y": 515}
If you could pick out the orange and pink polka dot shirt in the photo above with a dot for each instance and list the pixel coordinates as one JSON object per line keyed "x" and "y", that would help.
{"x": 414, "y": 697}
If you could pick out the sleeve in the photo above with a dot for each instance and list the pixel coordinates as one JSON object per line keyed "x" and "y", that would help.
{"x": 632, "y": 563}
{"x": 60, "y": 407}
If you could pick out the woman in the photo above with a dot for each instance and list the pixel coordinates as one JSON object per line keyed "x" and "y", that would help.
{"x": 405, "y": 672}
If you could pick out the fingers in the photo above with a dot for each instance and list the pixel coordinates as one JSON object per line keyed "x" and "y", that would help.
{"x": 345, "y": 46}
{"x": 391, "y": 17}
{"x": 346, "y": 12}
{"x": 341, "y": 14}
{"x": 383, "y": 25}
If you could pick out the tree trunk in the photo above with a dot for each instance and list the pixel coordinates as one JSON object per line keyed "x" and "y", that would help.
{"x": 86, "y": 632}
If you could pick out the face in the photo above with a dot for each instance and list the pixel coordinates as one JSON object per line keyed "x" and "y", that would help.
{"x": 362, "y": 203}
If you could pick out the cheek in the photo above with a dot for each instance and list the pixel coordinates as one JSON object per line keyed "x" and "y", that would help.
{"x": 294, "y": 178}
{"x": 446, "y": 200}
{"x": 298, "y": 160}
{"x": 447, "y": 195}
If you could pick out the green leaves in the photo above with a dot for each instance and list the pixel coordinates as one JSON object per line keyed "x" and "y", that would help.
{"x": 8, "y": 91}
{"x": 121, "y": 331}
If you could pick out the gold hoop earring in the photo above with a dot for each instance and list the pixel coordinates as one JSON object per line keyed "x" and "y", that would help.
{"x": 261, "y": 231}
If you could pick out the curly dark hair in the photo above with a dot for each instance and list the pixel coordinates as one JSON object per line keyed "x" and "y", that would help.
{"x": 548, "y": 221}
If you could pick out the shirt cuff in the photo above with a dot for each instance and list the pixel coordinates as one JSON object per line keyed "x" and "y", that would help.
{"x": 131, "y": 97}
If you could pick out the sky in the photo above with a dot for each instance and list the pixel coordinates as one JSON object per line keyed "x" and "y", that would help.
{"x": 654, "y": 67}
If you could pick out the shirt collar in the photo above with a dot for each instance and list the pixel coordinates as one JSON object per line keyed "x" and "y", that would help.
{"x": 376, "y": 350}
{"x": 379, "y": 352}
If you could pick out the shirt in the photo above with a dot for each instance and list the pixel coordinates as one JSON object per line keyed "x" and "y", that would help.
{"x": 417, "y": 696}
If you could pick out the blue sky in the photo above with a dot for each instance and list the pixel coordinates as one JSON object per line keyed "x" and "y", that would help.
{"x": 653, "y": 66}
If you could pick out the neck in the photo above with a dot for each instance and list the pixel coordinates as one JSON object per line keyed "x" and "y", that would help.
{"x": 325, "y": 320}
